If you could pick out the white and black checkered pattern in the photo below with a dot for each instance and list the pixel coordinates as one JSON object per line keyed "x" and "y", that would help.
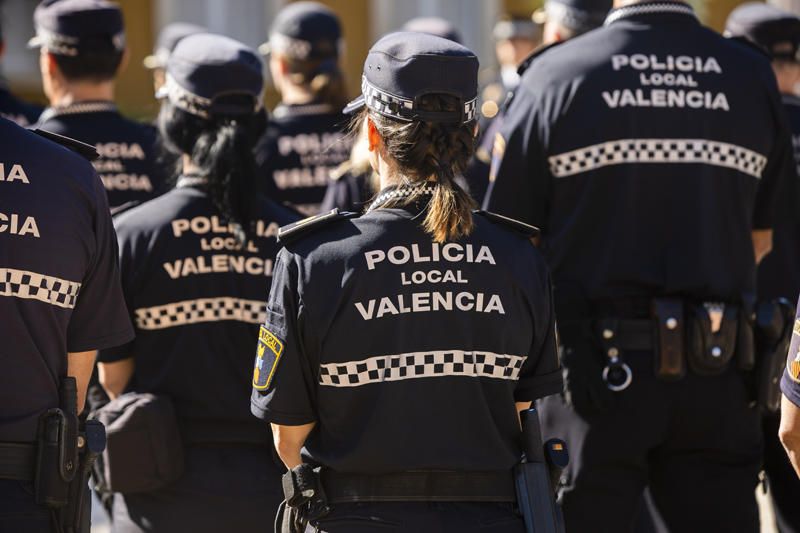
{"x": 190, "y": 102}
{"x": 416, "y": 365}
{"x": 401, "y": 192}
{"x": 201, "y": 310}
{"x": 623, "y": 151}
{"x": 295, "y": 48}
{"x": 35, "y": 286}
{"x": 646, "y": 9}
{"x": 402, "y": 108}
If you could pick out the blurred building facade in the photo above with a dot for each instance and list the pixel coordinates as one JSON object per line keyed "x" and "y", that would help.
{"x": 249, "y": 21}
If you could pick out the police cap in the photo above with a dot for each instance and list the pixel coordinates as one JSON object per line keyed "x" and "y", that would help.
{"x": 404, "y": 66}
{"x": 305, "y": 30}
{"x": 434, "y": 26}
{"x": 772, "y": 29}
{"x": 579, "y": 16}
{"x": 66, "y": 27}
{"x": 210, "y": 75}
{"x": 167, "y": 41}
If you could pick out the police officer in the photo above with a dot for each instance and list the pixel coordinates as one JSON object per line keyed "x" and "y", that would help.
{"x": 82, "y": 48}
{"x": 60, "y": 300}
{"x": 168, "y": 39}
{"x": 305, "y": 140}
{"x": 565, "y": 19}
{"x": 397, "y": 343}
{"x": 652, "y": 222}
{"x": 194, "y": 264}
{"x": 790, "y": 401}
{"x": 11, "y": 107}
{"x": 777, "y": 33}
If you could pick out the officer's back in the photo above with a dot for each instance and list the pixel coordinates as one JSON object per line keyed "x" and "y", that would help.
{"x": 83, "y": 44}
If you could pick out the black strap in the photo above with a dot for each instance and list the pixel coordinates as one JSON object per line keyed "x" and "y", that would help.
{"x": 420, "y": 486}
{"x": 627, "y": 334}
{"x": 17, "y": 461}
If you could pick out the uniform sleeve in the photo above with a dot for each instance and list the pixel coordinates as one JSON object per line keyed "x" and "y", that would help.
{"x": 100, "y": 319}
{"x": 779, "y": 179}
{"x": 541, "y": 376}
{"x": 790, "y": 382}
{"x": 283, "y": 384}
{"x": 519, "y": 180}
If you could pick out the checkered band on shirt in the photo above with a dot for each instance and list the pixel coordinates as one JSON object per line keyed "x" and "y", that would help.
{"x": 33, "y": 286}
{"x": 201, "y": 310}
{"x": 417, "y": 365}
{"x": 702, "y": 151}
{"x": 399, "y": 107}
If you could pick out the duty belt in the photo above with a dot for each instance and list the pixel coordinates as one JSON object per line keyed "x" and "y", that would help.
{"x": 419, "y": 486}
{"x": 17, "y": 461}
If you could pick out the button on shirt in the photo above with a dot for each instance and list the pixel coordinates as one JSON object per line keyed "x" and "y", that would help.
{"x": 59, "y": 279}
{"x": 295, "y": 156}
{"x": 408, "y": 354}
{"x": 127, "y": 162}
{"x": 646, "y": 151}
{"x": 196, "y": 296}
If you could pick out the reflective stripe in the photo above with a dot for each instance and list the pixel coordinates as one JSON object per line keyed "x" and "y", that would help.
{"x": 201, "y": 310}
{"x": 416, "y": 365}
{"x": 34, "y": 286}
{"x": 623, "y": 151}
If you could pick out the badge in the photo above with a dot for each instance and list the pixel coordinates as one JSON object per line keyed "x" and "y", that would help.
{"x": 793, "y": 362}
{"x": 498, "y": 149}
{"x": 268, "y": 355}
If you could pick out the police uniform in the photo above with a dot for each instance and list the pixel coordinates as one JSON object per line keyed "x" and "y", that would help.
{"x": 408, "y": 354}
{"x": 195, "y": 293}
{"x": 777, "y": 33}
{"x": 16, "y": 110}
{"x": 647, "y": 151}
{"x": 303, "y": 142}
{"x": 59, "y": 293}
{"x": 127, "y": 162}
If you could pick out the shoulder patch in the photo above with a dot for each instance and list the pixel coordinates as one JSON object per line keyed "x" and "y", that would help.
{"x": 292, "y": 231}
{"x": 268, "y": 355}
{"x": 86, "y": 150}
{"x": 526, "y": 63}
{"x": 516, "y": 225}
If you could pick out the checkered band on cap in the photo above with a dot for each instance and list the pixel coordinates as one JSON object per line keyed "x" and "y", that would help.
{"x": 190, "y": 102}
{"x": 295, "y": 48}
{"x": 34, "y": 286}
{"x": 201, "y": 310}
{"x": 417, "y": 365}
{"x": 664, "y": 151}
{"x": 400, "y": 108}
{"x": 66, "y": 45}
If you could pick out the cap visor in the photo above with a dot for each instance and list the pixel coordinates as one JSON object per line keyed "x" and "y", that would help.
{"x": 35, "y": 42}
{"x": 152, "y": 62}
{"x": 355, "y": 105}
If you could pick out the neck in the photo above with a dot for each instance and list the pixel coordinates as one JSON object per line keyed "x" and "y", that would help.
{"x": 295, "y": 95}
{"x": 75, "y": 92}
{"x": 189, "y": 168}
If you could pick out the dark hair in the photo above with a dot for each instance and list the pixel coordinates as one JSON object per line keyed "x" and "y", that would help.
{"x": 437, "y": 151}
{"x": 322, "y": 77}
{"x": 222, "y": 148}
{"x": 96, "y": 62}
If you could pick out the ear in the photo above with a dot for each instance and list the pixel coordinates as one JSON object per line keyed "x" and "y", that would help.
{"x": 373, "y": 137}
{"x": 49, "y": 63}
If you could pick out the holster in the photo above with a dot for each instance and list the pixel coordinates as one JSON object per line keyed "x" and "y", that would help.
{"x": 773, "y": 333}
{"x": 712, "y": 340}
{"x": 57, "y": 449}
{"x": 304, "y": 499}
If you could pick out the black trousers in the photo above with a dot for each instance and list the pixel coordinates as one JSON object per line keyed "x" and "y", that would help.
{"x": 19, "y": 511}
{"x": 696, "y": 443}
{"x": 420, "y": 517}
{"x": 223, "y": 489}
{"x": 783, "y": 482}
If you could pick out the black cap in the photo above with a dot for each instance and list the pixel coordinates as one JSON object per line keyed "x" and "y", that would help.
{"x": 204, "y": 68}
{"x": 403, "y": 66}
{"x": 434, "y": 26}
{"x": 305, "y": 30}
{"x": 168, "y": 39}
{"x": 579, "y": 16}
{"x": 65, "y": 27}
{"x": 774, "y": 30}
{"x": 516, "y": 28}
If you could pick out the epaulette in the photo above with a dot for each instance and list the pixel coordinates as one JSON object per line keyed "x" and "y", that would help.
{"x": 526, "y": 63}
{"x": 86, "y": 150}
{"x": 127, "y": 206}
{"x": 516, "y": 225}
{"x": 294, "y": 230}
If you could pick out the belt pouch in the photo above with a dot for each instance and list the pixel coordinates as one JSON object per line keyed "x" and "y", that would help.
{"x": 50, "y": 488}
{"x": 670, "y": 362}
{"x": 712, "y": 334}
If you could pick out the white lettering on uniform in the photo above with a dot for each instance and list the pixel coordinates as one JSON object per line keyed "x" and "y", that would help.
{"x": 17, "y": 173}
{"x": 11, "y": 224}
{"x": 423, "y": 302}
{"x": 218, "y": 263}
{"x": 115, "y": 150}
{"x": 451, "y": 252}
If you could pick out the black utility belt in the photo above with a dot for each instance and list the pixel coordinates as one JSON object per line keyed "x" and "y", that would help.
{"x": 17, "y": 461}
{"x": 706, "y": 338}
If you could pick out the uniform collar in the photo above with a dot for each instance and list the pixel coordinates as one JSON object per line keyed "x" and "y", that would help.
{"x": 78, "y": 108}
{"x": 656, "y": 8}
{"x": 395, "y": 192}
{"x": 296, "y": 110}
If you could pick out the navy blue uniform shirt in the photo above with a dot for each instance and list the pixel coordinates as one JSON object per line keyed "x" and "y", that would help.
{"x": 59, "y": 279}
{"x": 196, "y": 297}
{"x": 17, "y": 110}
{"x": 295, "y": 156}
{"x": 646, "y": 151}
{"x": 127, "y": 162}
{"x": 408, "y": 354}
{"x": 779, "y": 272}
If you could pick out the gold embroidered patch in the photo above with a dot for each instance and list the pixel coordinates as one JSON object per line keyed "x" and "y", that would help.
{"x": 268, "y": 355}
